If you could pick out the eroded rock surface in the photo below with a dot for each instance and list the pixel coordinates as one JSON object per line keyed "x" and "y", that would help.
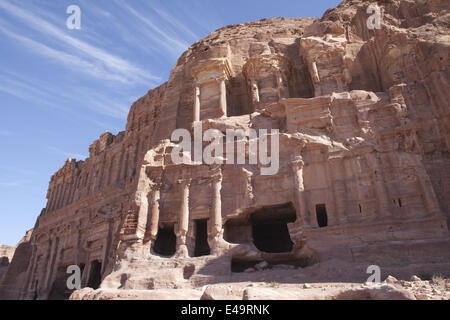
{"x": 6, "y": 255}
{"x": 363, "y": 122}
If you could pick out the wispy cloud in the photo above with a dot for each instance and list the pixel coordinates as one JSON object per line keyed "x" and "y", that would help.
{"x": 102, "y": 59}
{"x": 66, "y": 154}
{"x": 34, "y": 90}
{"x": 70, "y": 61}
{"x": 168, "y": 41}
{"x": 168, "y": 18}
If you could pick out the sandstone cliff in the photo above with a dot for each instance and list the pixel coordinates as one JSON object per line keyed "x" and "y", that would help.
{"x": 364, "y": 130}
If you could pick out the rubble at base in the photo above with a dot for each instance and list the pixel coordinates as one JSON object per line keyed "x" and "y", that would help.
{"x": 363, "y": 124}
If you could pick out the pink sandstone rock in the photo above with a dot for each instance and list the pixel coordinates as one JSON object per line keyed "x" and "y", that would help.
{"x": 364, "y": 173}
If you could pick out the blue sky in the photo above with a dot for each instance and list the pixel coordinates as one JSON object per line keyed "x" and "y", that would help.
{"x": 60, "y": 89}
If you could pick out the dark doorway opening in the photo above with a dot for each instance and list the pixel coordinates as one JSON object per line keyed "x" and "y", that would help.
{"x": 322, "y": 217}
{"x": 166, "y": 241}
{"x": 270, "y": 230}
{"x": 95, "y": 276}
{"x": 82, "y": 266}
{"x": 201, "y": 238}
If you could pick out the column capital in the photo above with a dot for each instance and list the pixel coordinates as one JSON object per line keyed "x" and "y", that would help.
{"x": 185, "y": 182}
{"x": 155, "y": 187}
{"x": 334, "y": 161}
{"x": 53, "y": 236}
{"x": 221, "y": 78}
{"x": 156, "y": 184}
{"x": 298, "y": 163}
{"x": 216, "y": 173}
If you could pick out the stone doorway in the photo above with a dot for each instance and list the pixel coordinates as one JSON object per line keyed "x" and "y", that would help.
{"x": 269, "y": 228}
{"x": 322, "y": 216}
{"x": 201, "y": 238}
{"x": 166, "y": 241}
{"x": 95, "y": 276}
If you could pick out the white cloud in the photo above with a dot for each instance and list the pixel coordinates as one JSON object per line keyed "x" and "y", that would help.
{"x": 34, "y": 90}
{"x": 67, "y": 60}
{"x": 102, "y": 59}
{"x": 175, "y": 22}
{"x": 166, "y": 40}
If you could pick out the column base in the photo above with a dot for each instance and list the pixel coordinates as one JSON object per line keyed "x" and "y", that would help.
{"x": 219, "y": 246}
{"x": 182, "y": 251}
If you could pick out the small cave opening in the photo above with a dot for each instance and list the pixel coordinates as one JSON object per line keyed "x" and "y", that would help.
{"x": 239, "y": 100}
{"x": 95, "y": 276}
{"x": 241, "y": 265}
{"x": 300, "y": 83}
{"x": 166, "y": 241}
{"x": 322, "y": 216}
{"x": 269, "y": 228}
{"x": 201, "y": 238}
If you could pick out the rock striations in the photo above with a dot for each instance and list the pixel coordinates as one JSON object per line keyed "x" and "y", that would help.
{"x": 363, "y": 120}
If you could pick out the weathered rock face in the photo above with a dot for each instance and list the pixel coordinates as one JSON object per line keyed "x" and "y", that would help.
{"x": 6, "y": 255}
{"x": 16, "y": 261}
{"x": 363, "y": 125}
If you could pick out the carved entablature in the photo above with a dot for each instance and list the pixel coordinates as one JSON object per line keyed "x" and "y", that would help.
{"x": 328, "y": 63}
{"x": 212, "y": 70}
{"x": 210, "y": 90}
{"x": 267, "y": 79}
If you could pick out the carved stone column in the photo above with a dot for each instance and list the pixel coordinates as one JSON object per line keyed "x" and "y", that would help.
{"x": 109, "y": 220}
{"x": 51, "y": 199}
{"x": 315, "y": 73}
{"x": 50, "y": 266}
{"x": 255, "y": 92}
{"x": 300, "y": 197}
{"x": 57, "y": 260}
{"x": 26, "y": 293}
{"x": 183, "y": 219}
{"x": 282, "y": 89}
{"x": 197, "y": 104}
{"x": 44, "y": 270}
{"x": 223, "y": 96}
{"x": 154, "y": 212}
{"x": 339, "y": 190}
{"x": 216, "y": 226}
